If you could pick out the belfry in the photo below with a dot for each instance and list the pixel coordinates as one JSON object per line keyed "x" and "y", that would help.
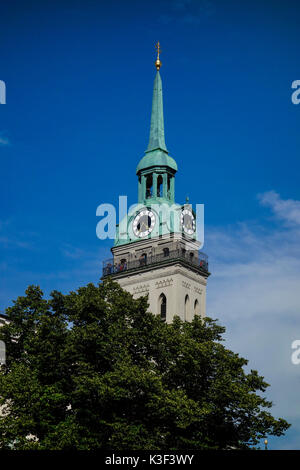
{"x": 156, "y": 250}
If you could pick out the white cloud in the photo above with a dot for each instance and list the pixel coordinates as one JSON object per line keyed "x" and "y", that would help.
{"x": 286, "y": 209}
{"x": 254, "y": 290}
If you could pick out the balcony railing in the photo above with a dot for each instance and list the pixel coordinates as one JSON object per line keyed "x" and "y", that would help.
{"x": 201, "y": 262}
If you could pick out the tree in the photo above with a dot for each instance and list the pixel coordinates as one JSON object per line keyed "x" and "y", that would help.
{"x": 95, "y": 370}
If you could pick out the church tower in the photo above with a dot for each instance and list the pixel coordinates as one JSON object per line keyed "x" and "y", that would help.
{"x": 156, "y": 251}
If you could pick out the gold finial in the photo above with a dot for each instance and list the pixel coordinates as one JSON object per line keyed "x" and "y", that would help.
{"x": 158, "y": 61}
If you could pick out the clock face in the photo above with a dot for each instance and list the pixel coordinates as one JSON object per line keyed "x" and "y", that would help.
{"x": 188, "y": 221}
{"x": 143, "y": 223}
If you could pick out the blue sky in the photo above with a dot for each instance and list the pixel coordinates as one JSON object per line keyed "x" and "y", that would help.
{"x": 79, "y": 79}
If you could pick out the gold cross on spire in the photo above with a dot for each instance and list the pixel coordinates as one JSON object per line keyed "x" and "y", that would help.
{"x": 158, "y": 61}
{"x": 157, "y": 47}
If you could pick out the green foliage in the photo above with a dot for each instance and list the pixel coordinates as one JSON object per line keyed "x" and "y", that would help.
{"x": 95, "y": 370}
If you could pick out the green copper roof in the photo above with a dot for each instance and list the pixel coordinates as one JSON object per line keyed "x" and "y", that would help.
{"x": 157, "y": 153}
{"x": 156, "y": 158}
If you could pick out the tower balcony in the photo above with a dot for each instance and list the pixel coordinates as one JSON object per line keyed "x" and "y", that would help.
{"x": 200, "y": 263}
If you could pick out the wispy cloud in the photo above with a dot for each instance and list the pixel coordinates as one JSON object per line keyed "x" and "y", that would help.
{"x": 286, "y": 209}
{"x": 74, "y": 252}
{"x": 4, "y": 141}
{"x": 188, "y": 11}
{"x": 11, "y": 237}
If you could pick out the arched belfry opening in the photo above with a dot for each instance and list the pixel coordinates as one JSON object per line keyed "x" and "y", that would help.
{"x": 159, "y": 186}
{"x": 162, "y": 307}
{"x": 149, "y": 186}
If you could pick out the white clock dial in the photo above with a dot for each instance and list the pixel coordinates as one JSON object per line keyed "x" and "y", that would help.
{"x": 188, "y": 221}
{"x": 143, "y": 223}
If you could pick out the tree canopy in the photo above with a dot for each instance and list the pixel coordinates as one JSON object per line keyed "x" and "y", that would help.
{"x": 95, "y": 370}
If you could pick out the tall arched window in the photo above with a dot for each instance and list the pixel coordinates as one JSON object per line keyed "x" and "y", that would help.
{"x": 186, "y": 307}
{"x": 162, "y": 307}
{"x": 159, "y": 186}
{"x": 196, "y": 307}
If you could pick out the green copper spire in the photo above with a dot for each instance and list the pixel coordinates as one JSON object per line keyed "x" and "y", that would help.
{"x": 156, "y": 170}
{"x": 157, "y": 132}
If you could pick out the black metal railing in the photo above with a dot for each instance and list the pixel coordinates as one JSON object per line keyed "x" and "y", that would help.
{"x": 200, "y": 261}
